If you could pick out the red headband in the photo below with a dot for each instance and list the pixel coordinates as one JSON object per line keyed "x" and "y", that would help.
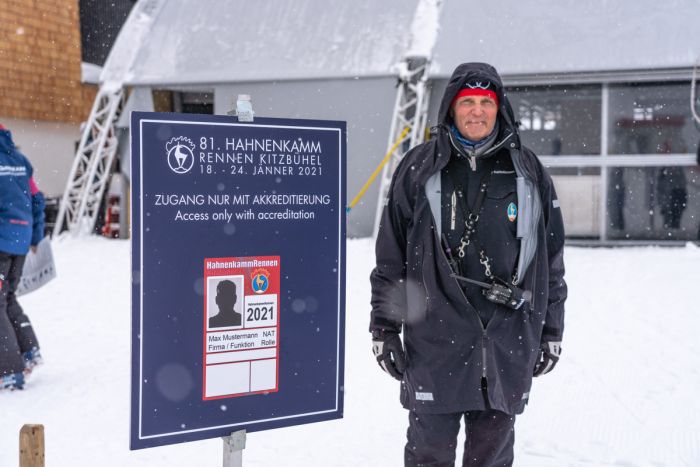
{"x": 476, "y": 92}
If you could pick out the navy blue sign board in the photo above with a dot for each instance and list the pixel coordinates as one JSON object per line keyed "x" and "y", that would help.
{"x": 238, "y": 273}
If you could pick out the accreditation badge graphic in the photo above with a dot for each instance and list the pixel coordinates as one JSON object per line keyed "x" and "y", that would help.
{"x": 260, "y": 281}
{"x": 180, "y": 152}
{"x": 241, "y": 326}
{"x": 512, "y": 212}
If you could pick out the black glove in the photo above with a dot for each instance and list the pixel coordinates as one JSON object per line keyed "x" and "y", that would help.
{"x": 388, "y": 349}
{"x": 549, "y": 356}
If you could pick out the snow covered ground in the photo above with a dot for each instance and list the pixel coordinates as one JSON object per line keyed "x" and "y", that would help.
{"x": 624, "y": 393}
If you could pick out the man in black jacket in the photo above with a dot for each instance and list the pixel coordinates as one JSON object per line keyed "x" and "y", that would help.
{"x": 470, "y": 269}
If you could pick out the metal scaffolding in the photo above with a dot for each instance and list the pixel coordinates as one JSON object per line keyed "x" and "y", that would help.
{"x": 92, "y": 164}
{"x": 94, "y": 159}
{"x": 410, "y": 111}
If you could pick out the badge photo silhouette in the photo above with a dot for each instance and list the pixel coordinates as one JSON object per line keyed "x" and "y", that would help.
{"x": 226, "y": 300}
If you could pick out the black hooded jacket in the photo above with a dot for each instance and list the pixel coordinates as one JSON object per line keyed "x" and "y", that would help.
{"x": 449, "y": 349}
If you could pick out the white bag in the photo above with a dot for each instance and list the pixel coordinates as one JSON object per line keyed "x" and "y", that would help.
{"x": 39, "y": 268}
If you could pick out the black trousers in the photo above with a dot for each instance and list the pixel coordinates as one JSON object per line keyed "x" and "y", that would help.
{"x": 16, "y": 332}
{"x": 432, "y": 439}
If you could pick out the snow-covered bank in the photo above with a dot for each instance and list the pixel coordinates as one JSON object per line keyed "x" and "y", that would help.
{"x": 623, "y": 394}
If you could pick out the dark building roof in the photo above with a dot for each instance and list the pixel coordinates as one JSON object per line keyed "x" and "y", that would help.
{"x": 100, "y": 22}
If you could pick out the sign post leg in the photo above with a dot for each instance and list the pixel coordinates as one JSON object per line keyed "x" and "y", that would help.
{"x": 233, "y": 449}
{"x": 31, "y": 446}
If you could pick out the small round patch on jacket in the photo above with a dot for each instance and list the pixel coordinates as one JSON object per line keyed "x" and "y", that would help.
{"x": 512, "y": 212}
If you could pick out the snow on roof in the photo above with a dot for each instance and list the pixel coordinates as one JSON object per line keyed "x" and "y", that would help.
{"x": 226, "y": 41}
{"x": 561, "y": 36}
{"x": 118, "y": 67}
{"x": 90, "y": 73}
{"x": 424, "y": 29}
{"x": 190, "y": 42}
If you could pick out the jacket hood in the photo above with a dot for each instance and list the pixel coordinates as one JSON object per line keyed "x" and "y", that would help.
{"x": 6, "y": 144}
{"x": 476, "y": 71}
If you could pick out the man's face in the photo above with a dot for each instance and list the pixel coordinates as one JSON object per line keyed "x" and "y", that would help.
{"x": 474, "y": 116}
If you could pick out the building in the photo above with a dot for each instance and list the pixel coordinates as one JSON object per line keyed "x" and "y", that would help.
{"x": 303, "y": 59}
{"x": 602, "y": 88}
{"x": 42, "y": 97}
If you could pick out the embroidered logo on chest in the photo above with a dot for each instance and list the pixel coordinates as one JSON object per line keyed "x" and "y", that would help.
{"x": 512, "y": 212}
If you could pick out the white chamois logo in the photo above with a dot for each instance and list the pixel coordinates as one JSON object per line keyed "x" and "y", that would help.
{"x": 478, "y": 85}
{"x": 180, "y": 154}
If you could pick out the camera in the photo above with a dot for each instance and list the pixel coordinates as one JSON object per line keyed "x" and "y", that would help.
{"x": 501, "y": 292}
{"x": 507, "y": 295}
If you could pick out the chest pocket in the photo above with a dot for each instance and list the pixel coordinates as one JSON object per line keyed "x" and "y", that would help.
{"x": 497, "y": 233}
{"x": 500, "y": 210}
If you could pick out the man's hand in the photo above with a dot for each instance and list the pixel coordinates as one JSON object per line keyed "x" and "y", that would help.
{"x": 388, "y": 349}
{"x": 549, "y": 356}
{"x": 33, "y": 248}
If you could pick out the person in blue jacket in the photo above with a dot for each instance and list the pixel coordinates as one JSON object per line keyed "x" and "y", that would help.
{"x": 21, "y": 228}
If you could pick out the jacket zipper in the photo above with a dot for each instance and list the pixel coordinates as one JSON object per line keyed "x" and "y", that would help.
{"x": 483, "y": 329}
{"x": 472, "y": 162}
{"x": 483, "y": 354}
{"x": 472, "y": 158}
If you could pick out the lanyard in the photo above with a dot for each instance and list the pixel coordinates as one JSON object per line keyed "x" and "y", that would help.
{"x": 471, "y": 216}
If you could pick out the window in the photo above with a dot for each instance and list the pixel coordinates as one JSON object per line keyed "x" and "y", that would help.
{"x": 559, "y": 120}
{"x": 578, "y": 191}
{"x": 653, "y": 203}
{"x": 637, "y": 200}
{"x": 194, "y": 102}
{"x": 183, "y": 102}
{"x": 651, "y": 119}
